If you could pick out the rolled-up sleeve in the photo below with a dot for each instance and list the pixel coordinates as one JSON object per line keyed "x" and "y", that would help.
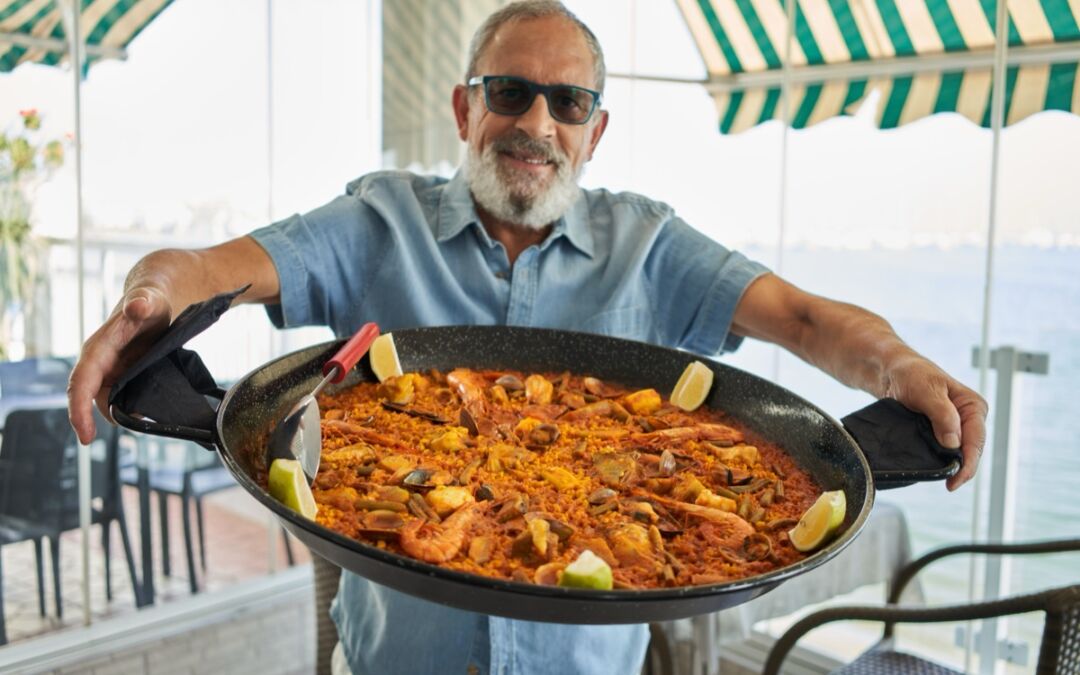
{"x": 696, "y": 285}
{"x": 319, "y": 256}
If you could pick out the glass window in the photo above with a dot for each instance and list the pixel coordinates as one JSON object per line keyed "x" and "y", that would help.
{"x": 183, "y": 146}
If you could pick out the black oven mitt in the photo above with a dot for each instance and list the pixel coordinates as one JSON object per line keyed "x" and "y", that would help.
{"x": 900, "y": 445}
{"x": 172, "y": 381}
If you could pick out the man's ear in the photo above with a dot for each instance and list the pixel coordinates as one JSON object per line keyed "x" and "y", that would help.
{"x": 597, "y": 131}
{"x": 461, "y": 111}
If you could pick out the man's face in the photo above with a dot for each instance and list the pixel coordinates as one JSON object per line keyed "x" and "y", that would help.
{"x": 524, "y": 168}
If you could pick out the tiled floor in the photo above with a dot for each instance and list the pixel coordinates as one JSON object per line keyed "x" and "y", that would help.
{"x": 237, "y": 548}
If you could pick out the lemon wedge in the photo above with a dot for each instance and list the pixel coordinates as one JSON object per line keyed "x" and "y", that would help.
{"x": 588, "y": 571}
{"x": 289, "y": 486}
{"x": 384, "y": 358}
{"x": 693, "y": 386}
{"x": 819, "y": 522}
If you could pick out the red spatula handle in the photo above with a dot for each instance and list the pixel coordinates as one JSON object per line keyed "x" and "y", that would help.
{"x": 348, "y": 355}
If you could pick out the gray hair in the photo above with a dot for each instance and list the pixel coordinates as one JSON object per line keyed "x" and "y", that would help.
{"x": 533, "y": 9}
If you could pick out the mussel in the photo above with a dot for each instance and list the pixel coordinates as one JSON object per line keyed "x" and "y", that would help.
{"x": 466, "y": 419}
{"x": 757, "y": 546}
{"x": 418, "y": 480}
{"x": 601, "y": 495}
{"x": 543, "y": 435}
{"x": 510, "y": 383}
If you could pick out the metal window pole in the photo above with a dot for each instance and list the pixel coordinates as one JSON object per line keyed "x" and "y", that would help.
{"x": 788, "y": 115}
{"x": 271, "y": 521}
{"x": 71, "y": 17}
{"x": 1007, "y": 362}
{"x": 997, "y": 119}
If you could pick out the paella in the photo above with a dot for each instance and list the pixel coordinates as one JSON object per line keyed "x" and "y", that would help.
{"x": 555, "y": 479}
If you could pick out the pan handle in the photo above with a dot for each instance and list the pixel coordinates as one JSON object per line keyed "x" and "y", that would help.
{"x": 204, "y": 437}
{"x": 168, "y": 390}
{"x": 899, "y": 444}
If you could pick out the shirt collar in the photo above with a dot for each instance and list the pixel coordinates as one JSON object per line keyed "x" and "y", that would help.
{"x": 457, "y": 212}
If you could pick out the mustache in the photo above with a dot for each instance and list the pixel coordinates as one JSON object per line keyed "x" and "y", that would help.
{"x": 521, "y": 142}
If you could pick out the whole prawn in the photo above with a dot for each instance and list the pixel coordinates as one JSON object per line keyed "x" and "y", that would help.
{"x": 441, "y": 542}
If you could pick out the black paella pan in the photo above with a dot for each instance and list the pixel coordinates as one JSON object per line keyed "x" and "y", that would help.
{"x": 166, "y": 394}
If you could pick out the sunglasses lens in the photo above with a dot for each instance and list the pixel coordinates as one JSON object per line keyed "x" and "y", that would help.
{"x": 514, "y": 95}
{"x": 508, "y": 96}
{"x": 571, "y": 104}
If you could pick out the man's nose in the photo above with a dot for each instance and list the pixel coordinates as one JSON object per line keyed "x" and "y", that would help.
{"x": 537, "y": 121}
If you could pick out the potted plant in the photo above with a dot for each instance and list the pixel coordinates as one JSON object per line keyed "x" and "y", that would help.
{"x": 26, "y": 161}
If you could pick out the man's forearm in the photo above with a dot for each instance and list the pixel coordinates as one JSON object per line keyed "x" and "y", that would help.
{"x": 857, "y": 347}
{"x": 187, "y": 276}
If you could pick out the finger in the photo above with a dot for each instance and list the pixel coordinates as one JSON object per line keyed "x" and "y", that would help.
{"x": 83, "y": 385}
{"x": 973, "y": 411}
{"x": 933, "y": 401}
{"x": 142, "y": 312}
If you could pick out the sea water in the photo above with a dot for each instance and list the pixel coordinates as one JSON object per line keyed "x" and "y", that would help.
{"x": 933, "y": 297}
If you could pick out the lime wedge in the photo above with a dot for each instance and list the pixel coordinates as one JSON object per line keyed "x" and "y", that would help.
{"x": 693, "y": 387}
{"x": 588, "y": 571}
{"x": 384, "y": 358}
{"x": 289, "y": 486}
{"x": 819, "y": 522}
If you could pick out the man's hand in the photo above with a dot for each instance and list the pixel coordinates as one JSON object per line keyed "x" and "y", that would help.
{"x": 861, "y": 350}
{"x": 142, "y": 315}
{"x": 160, "y": 285}
{"x": 957, "y": 413}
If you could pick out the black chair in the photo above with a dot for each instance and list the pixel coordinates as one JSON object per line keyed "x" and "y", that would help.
{"x": 39, "y": 491}
{"x": 192, "y": 476}
{"x": 34, "y": 377}
{"x": 33, "y": 384}
{"x": 1059, "y": 652}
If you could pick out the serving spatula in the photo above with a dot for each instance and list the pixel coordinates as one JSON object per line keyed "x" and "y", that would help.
{"x": 299, "y": 436}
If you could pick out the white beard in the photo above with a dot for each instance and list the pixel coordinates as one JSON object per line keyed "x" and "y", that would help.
{"x": 516, "y": 197}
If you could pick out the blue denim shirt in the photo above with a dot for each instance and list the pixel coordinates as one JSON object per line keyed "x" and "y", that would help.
{"x": 404, "y": 251}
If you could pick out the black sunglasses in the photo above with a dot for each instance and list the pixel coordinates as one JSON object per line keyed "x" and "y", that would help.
{"x": 507, "y": 95}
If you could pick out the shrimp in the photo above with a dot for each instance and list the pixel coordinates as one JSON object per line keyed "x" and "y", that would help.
{"x": 447, "y": 538}
{"x": 467, "y": 385}
{"x": 364, "y": 433}
{"x": 737, "y": 528}
{"x": 470, "y": 387}
{"x": 698, "y": 432}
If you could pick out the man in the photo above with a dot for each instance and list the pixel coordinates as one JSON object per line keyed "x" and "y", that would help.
{"x": 512, "y": 239}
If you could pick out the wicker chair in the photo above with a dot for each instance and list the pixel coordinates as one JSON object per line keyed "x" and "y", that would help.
{"x": 326, "y": 576}
{"x": 1059, "y": 653}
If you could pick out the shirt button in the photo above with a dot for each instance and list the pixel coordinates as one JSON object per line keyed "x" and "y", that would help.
{"x": 501, "y": 275}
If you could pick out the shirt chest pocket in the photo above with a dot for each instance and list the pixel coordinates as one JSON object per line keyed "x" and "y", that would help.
{"x": 632, "y": 323}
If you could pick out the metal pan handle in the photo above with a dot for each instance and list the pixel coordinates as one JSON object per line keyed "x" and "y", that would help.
{"x": 900, "y": 446}
{"x": 204, "y": 437}
{"x": 165, "y": 391}
{"x": 175, "y": 396}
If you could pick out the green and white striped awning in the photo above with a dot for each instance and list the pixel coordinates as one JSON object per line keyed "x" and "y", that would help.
{"x": 32, "y": 31}
{"x": 921, "y": 56}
